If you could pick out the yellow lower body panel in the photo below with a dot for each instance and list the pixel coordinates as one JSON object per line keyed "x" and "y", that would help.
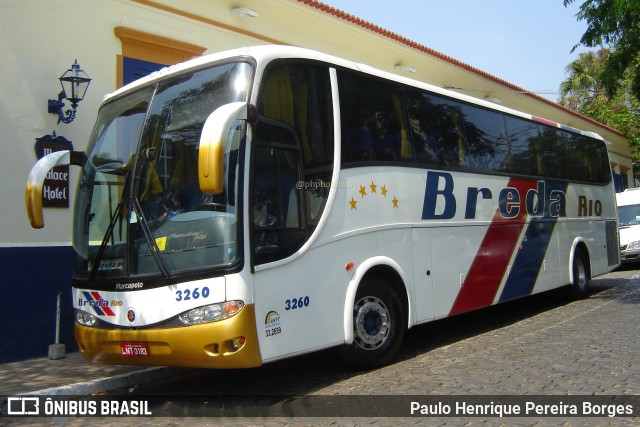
{"x": 229, "y": 343}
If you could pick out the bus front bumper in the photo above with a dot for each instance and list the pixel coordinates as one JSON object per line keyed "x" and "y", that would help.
{"x": 210, "y": 345}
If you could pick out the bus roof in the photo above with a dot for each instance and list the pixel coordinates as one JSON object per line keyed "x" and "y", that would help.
{"x": 266, "y": 53}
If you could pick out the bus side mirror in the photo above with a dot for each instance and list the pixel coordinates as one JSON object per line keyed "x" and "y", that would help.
{"x": 35, "y": 182}
{"x": 213, "y": 141}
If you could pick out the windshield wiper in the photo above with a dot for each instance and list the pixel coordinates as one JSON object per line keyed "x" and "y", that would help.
{"x": 105, "y": 240}
{"x": 155, "y": 250}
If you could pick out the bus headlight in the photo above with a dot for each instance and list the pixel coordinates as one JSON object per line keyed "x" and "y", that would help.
{"x": 211, "y": 313}
{"x": 85, "y": 319}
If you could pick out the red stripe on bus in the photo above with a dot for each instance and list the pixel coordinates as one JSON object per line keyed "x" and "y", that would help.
{"x": 492, "y": 259}
{"x": 106, "y": 309}
{"x": 544, "y": 121}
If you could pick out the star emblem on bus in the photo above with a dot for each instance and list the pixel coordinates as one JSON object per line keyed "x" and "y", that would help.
{"x": 353, "y": 203}
{"x": 375, "y": 190}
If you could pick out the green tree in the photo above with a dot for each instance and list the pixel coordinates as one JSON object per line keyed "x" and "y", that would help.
{"x": 584, "y": 91}
{"x": 616, "y": 25}
{"x": 583, "y": 86}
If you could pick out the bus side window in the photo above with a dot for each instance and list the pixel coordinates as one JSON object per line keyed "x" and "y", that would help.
{"x": 275, "y": 169}
{"x": 374, "y": 121}
{"x": 578, "y": 157}
{"x": 555, "y": 153}
{"x": 599, "y": 170}
{"x": 436, "y": 127}
{"x": 276, "y": 221}
{"x": 292, "y": 156}
{"x": 300, "y": 95}
{"x": 525, "y": 147}
{"x": 424, "y": 128}
{"x": 487, "y": 143}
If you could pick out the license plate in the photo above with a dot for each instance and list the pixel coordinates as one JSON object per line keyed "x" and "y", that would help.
{"x": 134, "y": 349}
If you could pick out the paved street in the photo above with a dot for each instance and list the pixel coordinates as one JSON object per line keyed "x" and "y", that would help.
{"x": 544, "y": 345}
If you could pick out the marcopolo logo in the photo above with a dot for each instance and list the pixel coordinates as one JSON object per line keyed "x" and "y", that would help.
{"x": 125, "y": 286}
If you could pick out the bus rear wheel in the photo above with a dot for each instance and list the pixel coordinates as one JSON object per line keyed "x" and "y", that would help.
{"x": 580, "y": 285}
{"x": 378, "y": 325}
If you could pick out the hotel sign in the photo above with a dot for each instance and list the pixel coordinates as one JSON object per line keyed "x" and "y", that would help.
{"x": 55, "y": 190}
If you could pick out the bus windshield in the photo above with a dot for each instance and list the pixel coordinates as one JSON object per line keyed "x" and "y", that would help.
{"x": 139, "y": 210}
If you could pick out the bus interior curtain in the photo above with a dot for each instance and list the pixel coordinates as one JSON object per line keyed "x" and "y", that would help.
{"x": 278, "y": 97}
{"x": 278, "y": 100}
{"x": 405, "y": 148}
{"x": 284, "y": 102}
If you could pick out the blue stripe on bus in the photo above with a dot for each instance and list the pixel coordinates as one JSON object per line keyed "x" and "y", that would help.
{"x": 526, "y": 267}
{"x": 95, "y": 306}
{"x": 531, "y": 254}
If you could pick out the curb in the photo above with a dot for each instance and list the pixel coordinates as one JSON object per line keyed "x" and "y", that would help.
{"x": 128, "y": 380}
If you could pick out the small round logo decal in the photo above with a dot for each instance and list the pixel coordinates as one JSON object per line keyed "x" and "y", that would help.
{"x": 131, "y": 315}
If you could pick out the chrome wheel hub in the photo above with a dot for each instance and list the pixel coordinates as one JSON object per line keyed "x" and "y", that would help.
{"x": 371, "y": 323}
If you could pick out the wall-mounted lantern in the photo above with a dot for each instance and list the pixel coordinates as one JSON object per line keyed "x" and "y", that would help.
{"x": 74, "y": 84}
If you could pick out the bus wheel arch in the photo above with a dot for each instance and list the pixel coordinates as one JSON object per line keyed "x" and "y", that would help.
{"x": 376, "y": 315}
{"x": 579, "y": 270}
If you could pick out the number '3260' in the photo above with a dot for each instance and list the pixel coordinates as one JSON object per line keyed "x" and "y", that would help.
{"x": 295, "y": 303}
{"x": 189, "y": 294}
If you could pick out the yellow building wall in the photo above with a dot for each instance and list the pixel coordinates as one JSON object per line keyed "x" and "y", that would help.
{"x": 39, "y": 40}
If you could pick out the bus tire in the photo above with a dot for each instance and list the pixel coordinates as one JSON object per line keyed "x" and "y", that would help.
{"x": 378, "y": 325}
{"x": 580, "y": 284}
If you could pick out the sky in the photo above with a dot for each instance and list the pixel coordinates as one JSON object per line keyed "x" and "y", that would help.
{"x": 525, "y": 42}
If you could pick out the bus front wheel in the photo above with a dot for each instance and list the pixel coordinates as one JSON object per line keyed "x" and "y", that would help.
{"x": 378, "y": 325}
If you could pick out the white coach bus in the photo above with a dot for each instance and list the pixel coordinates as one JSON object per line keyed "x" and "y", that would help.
{"x": 261, "y": 203}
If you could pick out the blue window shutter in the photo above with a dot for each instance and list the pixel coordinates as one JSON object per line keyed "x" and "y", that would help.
{"x": 133, "y": 69}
